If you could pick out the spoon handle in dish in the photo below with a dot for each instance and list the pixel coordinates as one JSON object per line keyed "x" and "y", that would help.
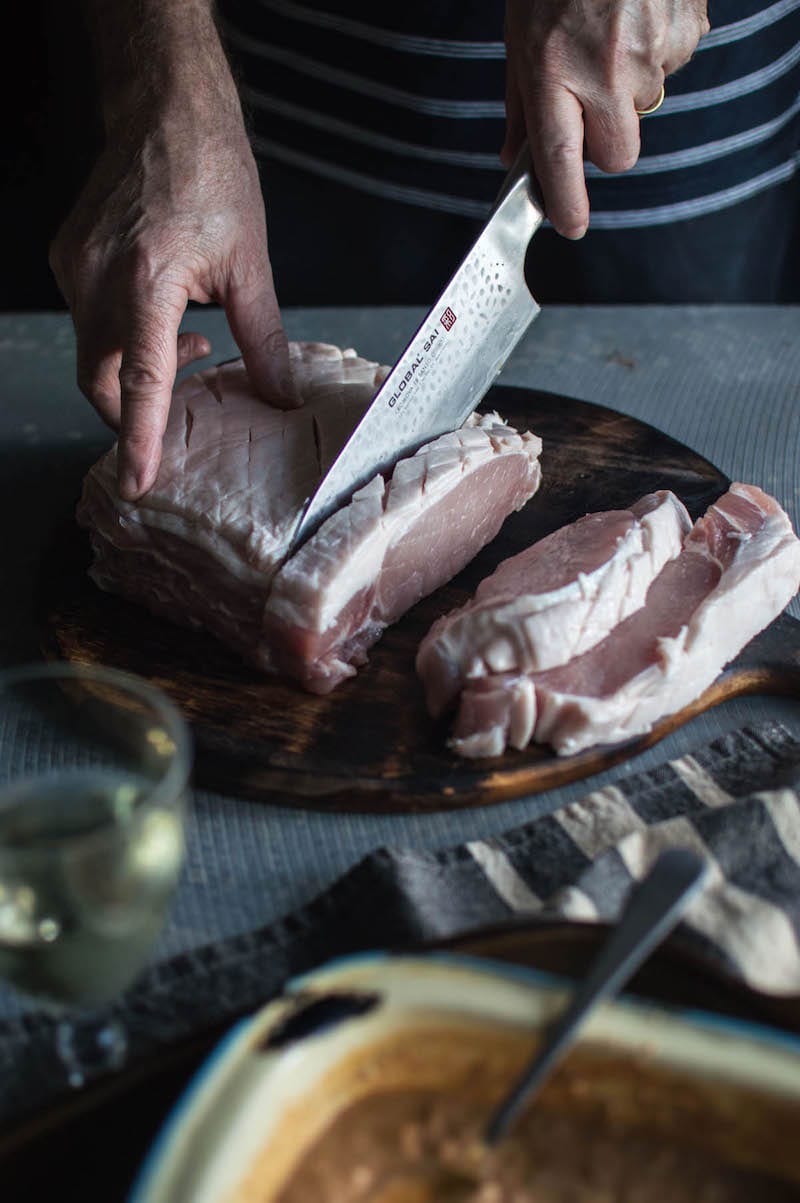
{"x": 652, "y": 910}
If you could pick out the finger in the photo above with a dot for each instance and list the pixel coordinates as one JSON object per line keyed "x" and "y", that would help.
{"x": 98, "y": 351}
{"x": 612, "y": 133}
{"x": 515, "y": 119}
{"x": 255, "y": 321}
{"x": 191, "y": 346}
{"x": 147, "y": 375}
{"x": 554, "y": 120}
{"x": 655, "y": 97}
{"x": 98, "y": 363}
{"x": 98, "y": 372}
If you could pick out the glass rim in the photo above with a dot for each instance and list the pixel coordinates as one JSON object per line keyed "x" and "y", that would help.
{"x": 176, "y": 778}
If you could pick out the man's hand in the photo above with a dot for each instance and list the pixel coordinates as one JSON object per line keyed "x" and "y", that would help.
{"x": 577, "y": 71}
{"x": 172, "y": 212}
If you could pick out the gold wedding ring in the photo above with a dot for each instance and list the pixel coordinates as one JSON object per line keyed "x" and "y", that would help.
{"x": 653, "y": 107}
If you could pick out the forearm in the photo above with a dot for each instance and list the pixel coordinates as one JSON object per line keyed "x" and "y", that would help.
{"x": 159, "y": 56}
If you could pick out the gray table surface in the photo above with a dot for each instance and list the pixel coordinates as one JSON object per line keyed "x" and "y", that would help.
{"x": 724, "y": 380}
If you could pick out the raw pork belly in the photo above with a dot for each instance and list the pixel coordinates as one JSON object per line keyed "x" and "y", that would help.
{"x": 205, "y": 546}
{"x": 395, "y": 543}
{"x": 740, "y": 566}
{"x": 555, "y": 600}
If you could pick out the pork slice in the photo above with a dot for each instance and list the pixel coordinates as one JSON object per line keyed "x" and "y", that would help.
{"x": 554, "y": 600}
{"x": 494, "y": 713}
{"x": 203, "y": 547}
{"x": 395, "y": 543}
{"x": 740, "y": 566}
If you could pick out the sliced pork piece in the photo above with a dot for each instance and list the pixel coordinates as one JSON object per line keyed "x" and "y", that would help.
{"x": 395, "y": 543}
{"x": 739, "y": 568}
{"x": 203, "y": 547}
{"x": 554, "y": 600}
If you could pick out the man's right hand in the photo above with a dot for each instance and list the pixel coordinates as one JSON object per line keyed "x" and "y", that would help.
{"x": 578, "y": 72}
{"x": 172, "y": 212}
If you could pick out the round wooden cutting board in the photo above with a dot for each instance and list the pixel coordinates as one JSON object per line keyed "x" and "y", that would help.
{"x": 370, "y": 744}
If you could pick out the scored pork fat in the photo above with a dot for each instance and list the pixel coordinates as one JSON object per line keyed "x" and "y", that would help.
{"x": 396, "y": 542}
{"x": 739, "y": 568}
{"x": 206, "y": 545}
{"x": 555, "y": 599}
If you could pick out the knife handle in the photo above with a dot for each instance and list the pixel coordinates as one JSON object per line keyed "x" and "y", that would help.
{"x": 521, "y": 167}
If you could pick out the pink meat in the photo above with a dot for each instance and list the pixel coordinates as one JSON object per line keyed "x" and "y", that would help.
{"x": 395, "y": 543}
{"x": 740, "y": 566}
{"x": 494, "y": 713}
{"x": 555, "y": 600}
{"x": 206, "y": 546}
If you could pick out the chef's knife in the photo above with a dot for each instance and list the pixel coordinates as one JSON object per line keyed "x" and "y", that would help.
{"x": 447, "y": 368}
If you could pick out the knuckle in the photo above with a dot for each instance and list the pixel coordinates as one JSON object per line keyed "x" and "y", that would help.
{"x": 562, "y": 152}
{"x": 151, "y": 268}
{"x": 274, "y": 340}
{"x": 680, "y": 56}
{"x": 97, "y": 389}
{"x": 188, "y": 342}
{"x": 248, "y": 261}
{"x": 679, "y": 52}
{"x": 615, "y": 158}
{"x": 568, "y": 215}
{"x": 547, "y": 59}
{"x": 249, "y": 278}
{"x": 616, "y": 164}
{"x": 102, "y": 393}
{"x": 141, "y": 380}
{"x": 76, "y": 268}
{"x": 574, "y": 218}
{"x": 145, "y": 266}
{"x": 138, "y": 443}
{"x": 616, "y": 60}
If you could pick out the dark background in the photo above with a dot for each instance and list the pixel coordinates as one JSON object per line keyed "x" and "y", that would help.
{"x": 50, "y": 136}
{"x": 51, "y": 133}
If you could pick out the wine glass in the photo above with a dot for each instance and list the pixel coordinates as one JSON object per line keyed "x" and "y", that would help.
{"x": 94, "y": 768}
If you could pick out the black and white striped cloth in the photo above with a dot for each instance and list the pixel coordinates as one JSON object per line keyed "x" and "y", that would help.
{"x": 734, "y": 801}
{"x": 405, "y": 102}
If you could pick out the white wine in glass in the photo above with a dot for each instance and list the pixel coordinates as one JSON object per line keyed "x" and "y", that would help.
{"x": 94, "y": 768}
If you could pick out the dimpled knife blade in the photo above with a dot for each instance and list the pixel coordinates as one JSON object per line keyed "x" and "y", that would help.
{"x": 450, "y": 363}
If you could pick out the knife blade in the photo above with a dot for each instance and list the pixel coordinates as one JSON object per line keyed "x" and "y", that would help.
{"x": 452, "y": 359}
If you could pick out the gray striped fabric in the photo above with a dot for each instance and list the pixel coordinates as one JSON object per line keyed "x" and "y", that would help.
{"x": 407, "y": 105}
{"x": 734, "y": 801}
{"x": 748, "y": 917}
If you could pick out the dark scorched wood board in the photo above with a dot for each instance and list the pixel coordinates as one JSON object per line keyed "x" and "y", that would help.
{"x": 370, "y": 744}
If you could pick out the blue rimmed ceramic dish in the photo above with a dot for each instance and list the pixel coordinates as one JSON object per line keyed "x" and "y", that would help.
{"x": 280, "y": 1078}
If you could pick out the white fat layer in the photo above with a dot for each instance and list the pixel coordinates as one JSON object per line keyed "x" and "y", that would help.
{"x": 760, "y": 575}
{"x": 236, "y": 472}
{"x": 219, "y": 548}
{"x": 761, "y": 581}
{"x": 535, "y": 631}
{"x": 511, "y": 723}
{"x": 346, "y": 554}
